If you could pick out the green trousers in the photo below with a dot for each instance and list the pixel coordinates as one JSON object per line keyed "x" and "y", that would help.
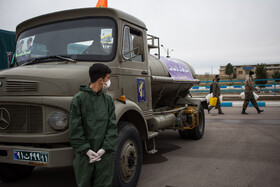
{"x": 97, "y": 174}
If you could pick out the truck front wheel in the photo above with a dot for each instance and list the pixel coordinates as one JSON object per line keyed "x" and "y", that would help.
{"x": 13, "y": 172}
{"x": 128, "y": 160}
{"x": 197, "y": 132}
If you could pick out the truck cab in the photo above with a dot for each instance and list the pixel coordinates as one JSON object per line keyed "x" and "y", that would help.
{"x": 52, "y": 58}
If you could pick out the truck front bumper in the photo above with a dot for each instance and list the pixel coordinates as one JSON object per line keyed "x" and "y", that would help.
{"x": 35, "y": 156}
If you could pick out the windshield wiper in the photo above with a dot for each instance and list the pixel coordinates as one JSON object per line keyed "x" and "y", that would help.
{"x": 42, "y": 60}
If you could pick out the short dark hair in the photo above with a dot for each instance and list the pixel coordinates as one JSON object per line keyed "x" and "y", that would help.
{"x": 251, "y": 73}
{"x": 97, "y": 71}
{"x": 216, "y": 76}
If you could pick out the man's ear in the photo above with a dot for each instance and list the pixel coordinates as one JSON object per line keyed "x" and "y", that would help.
{"x": 100, "y": 80}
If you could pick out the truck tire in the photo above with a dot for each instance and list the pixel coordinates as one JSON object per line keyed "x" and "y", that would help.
{"x": 14, "y": 172}
{"x": 197, "y": 132}
{"x": 128, "y": 158}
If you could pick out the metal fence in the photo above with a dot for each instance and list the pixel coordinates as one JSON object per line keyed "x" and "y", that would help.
{"x": 272, "y": 85}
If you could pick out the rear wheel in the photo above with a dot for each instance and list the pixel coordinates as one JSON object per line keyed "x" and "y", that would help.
{"x": 13, "y": 172}
{"x": 197, "y": 132}
{"x": 128, "y": 160}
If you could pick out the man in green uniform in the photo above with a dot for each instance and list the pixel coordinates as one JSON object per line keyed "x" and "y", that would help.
{"x": 93, "y": 131}
{"x": 249, "y": 95}
{"x": 216, "y": 93}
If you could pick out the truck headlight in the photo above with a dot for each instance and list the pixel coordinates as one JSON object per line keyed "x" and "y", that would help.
{"x": 58, "y": 120}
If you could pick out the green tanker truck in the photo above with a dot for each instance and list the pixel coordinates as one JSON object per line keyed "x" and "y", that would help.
{"x": 52, "y": 58}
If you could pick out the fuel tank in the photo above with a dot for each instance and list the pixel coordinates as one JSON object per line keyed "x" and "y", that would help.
{"x": 171, "y": 78}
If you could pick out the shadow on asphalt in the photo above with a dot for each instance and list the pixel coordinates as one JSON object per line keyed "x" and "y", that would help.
{"x": 46, "y": 177}
{"x": 158, "y": 157}
{"x": 163, "y": 146}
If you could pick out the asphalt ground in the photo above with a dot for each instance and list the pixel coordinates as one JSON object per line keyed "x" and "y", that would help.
{"x": 236, "y": 150}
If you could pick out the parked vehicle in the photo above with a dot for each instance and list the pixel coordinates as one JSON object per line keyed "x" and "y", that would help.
{"x": 52, "y": 59}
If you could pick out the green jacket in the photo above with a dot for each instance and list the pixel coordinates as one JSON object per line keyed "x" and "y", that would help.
{"x": 92, "y": 122}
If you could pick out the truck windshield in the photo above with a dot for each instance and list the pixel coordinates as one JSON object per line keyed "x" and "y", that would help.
{"x": 91, "y": 39}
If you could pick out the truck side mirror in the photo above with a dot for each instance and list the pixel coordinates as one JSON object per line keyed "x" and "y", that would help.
{"x": 138, "y": 48}
{"x": 138, "y": 45}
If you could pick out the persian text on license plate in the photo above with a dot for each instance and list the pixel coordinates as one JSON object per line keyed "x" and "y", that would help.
{"x": 34, "y": 156}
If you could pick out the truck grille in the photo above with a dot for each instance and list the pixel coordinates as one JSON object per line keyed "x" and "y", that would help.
{"x": 21, "y": 86}
{"x": 21, "y": 119}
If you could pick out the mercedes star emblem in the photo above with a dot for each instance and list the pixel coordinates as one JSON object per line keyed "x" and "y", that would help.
{"x": 4, "y": 118}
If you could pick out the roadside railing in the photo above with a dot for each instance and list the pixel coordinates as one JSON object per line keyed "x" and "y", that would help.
{"x": 238, "y": 86}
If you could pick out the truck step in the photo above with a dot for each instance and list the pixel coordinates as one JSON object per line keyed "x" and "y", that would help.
{"x": 150, "y": 145}
{"x": 152, "y": 134}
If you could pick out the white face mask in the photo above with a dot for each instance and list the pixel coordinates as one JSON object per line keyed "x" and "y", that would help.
{"x": 106, "y": 85}
{"x": 253, "y": 76}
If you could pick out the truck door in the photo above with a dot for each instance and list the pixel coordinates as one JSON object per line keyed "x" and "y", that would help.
{"x": 135, "y": 75}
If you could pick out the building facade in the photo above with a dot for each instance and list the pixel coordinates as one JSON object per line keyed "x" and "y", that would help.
{"x": 240, "y": 71}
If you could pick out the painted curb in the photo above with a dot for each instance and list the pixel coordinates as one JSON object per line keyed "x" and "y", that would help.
{"x": 240, "y": 104}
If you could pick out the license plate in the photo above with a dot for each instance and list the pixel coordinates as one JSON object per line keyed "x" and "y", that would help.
{"x": 33, "y": 156}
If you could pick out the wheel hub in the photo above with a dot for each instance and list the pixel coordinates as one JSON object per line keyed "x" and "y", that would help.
{"x": 128, "y": 160}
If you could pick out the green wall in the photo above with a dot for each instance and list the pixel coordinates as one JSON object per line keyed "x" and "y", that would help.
{"x": 7, "y": 44}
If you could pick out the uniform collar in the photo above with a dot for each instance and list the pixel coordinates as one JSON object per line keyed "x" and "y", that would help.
{"x": 86, "y": 88}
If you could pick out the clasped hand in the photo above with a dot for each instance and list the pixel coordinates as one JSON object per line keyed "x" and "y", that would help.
{"x": 95, "y": 157}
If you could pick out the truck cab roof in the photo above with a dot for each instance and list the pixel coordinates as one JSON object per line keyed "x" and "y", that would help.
{"x": 76, "y": 14}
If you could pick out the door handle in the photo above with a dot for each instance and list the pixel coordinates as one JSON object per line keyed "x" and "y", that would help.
{"x": 144, "y": 73}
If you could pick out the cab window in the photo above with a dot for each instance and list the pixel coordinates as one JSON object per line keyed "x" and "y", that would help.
{"x": 88, "y": 39}
{"x": 132, "y": 45}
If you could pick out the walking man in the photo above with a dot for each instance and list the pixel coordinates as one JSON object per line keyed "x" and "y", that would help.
{"x": 211, "y": 87}
{"x": 93, "y": 131}
{"x": 216, "y": 93}
{"x": 249, "y": 95}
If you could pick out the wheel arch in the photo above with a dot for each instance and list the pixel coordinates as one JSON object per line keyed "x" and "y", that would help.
{"x": 131, "y": 112}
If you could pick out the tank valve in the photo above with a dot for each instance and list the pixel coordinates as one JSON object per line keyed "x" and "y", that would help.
{"x": 181, "y": 119}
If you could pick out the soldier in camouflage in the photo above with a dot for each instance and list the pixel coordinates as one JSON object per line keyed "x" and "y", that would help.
{"x": 249, "y": 95}
{"x": 216, "y": 93}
